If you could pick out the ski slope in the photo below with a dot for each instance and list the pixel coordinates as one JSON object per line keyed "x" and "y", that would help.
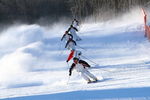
{"x": 33, "y": 67}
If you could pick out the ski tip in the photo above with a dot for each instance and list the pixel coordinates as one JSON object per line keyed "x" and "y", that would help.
{"x": 93, "y": 81}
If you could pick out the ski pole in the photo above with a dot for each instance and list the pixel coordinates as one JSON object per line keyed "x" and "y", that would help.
{"x": 61, "y": 52}
{"x": 106, "y": 70}
{"x": 69, "y": 76}
{"x": 95, "y": 63}
{"x": 60, "y": 49}
{"x": 68, "y": 79}
{"x": 81, "y": 47}
{"x": 68, "y": 64}
{"x": 90, "y": 60}
{"x": 59, "y": 46}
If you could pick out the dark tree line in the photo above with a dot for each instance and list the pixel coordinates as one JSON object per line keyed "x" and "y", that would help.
{"x": 34, "y": 10}
{"x": 104, "y": 8}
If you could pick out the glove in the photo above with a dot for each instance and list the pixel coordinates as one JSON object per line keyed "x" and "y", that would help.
{"x": 79, "y": 53}
{"x": 69, "y": 74}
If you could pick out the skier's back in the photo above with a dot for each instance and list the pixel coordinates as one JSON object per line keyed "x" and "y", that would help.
{"x": 73, "y": 31}
{"x": 66, "y": 36}
{"x": 71, "y": 44}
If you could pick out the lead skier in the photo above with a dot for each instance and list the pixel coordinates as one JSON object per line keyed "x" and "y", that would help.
{"x": 81, "y": 66}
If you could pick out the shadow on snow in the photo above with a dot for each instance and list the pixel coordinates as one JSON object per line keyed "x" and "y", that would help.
{"x": 92, "y": 94}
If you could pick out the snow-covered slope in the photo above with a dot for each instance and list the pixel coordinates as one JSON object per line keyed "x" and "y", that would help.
{"x": 32, "y": 63}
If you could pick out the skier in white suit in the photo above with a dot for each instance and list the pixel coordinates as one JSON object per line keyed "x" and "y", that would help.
{"x": 75, "y": 23}
{"x": 80, "y": 66}
{"x": 73, "y": 31}
{"x": 71, "y": 44}
{"x": 66, "y": 36}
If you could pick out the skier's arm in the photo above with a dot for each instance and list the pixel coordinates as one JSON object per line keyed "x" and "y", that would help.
{"x": 72, "y": 22}
{"x": 84, "y": 63}
{"x": 71, "y": 68}
{"x": 75, "y": 28}
{"x": 71, "y": 36}
{"x": 77, "y": 23}
{"x": 69, "y": 29}
{"x": 74, "y": 42}
{"x": 67, "y": 43}
{"x": 62, "y": 37}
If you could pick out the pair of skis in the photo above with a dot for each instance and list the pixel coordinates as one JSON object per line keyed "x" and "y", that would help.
{"x": 87, "y": 83}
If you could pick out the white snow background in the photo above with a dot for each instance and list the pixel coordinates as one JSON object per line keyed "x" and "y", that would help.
{"x": 33, "y": 67}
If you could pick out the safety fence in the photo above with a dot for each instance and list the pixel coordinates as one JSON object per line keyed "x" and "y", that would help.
{"x": 146, "y": 26}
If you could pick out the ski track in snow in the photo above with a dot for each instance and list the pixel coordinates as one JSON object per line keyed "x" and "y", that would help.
{"x": 36, "y": 70}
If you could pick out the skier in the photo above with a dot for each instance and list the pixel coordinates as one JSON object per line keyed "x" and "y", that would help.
{"x": 70, "y": 55}
{"x": 70, "y": 45}
{"x": 80, "y": 66}
{"x": 75, "y": 23}
{"x": 73, "y": 31}
{"x": 66, "y": 36}
{"x": 78, "y": 54}
{"x": 74, "y": 53}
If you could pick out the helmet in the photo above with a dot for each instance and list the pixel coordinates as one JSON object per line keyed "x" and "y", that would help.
{"x": 66, "y": 32}
{"x": 80, "y": 53}
{"x": 75, "y": 58}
